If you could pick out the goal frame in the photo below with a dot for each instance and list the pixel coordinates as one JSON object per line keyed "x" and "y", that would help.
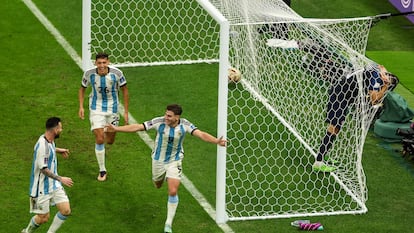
{"x": 221, "y": 216}
{"x": 222, "y": 114}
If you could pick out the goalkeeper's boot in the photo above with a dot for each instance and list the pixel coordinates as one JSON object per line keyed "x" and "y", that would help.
{"x": 331, "y": 161}
{"x": 322, "y": 167}
{"x": 167, "y": 228}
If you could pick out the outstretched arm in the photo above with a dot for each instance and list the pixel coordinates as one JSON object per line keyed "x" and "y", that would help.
{"x": 125, "y": 128}
{"x": 209, "y": 138}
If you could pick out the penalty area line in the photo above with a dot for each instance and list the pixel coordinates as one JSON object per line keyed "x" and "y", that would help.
{"x": 143, "y": 135}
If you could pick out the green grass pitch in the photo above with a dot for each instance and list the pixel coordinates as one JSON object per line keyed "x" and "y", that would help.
{"x": 39, "y": 79}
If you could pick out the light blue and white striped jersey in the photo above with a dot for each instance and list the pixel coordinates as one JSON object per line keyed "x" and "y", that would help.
{"x": 44, "y": 156}
{"x": 169, "y": 141}
{"x": 104, "y": 96}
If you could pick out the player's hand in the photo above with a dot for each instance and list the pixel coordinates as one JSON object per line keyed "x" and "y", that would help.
{"x": 81, "y": 113}
{"x": 66, "y": 181}
{"x": 65, "y": 153}
{"x": 109, "y": 128}
{"x": 221, "y": 141}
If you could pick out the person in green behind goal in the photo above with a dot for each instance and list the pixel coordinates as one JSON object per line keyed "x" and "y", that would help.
{"x": 168, "y": 152}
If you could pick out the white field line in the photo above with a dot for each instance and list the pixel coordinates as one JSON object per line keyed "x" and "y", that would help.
{"x": 143, "y": 135}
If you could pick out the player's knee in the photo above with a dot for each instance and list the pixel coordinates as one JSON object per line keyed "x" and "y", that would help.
{"x": 65, "y": 212}
{"x": 99, "y": 140}
{"x": 42, "y": 218}
{"x": 172, "y": 192}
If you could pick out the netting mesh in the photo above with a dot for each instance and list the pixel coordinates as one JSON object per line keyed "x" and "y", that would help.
{"x": 153, "y": 31}
{"x": 276, "y": 114}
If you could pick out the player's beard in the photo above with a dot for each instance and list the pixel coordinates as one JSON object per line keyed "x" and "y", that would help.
{"x": 57, "y": 135}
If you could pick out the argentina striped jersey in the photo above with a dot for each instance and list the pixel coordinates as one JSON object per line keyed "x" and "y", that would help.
{"x": 104, "y": 96}
{"x": 169, "y": 140}
{"x": 44, "y": 156}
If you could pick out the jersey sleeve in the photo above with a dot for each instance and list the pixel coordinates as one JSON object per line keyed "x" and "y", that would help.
{"x": 189, "y": 127}
{"x": 42, "y": 154}
{"x": 85, "y": 79}
{"x": 121, "y": 78}
{"x": 154, "y": 123}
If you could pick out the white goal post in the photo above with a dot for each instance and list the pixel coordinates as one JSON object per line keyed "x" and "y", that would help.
{"x": 274, "y": 117}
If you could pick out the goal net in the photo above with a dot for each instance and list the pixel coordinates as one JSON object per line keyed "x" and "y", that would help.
{"x": 275, "y": 116}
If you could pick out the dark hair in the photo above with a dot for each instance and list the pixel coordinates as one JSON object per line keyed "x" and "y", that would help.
{"x": 52, "y": 122}
{"x": 101, "y": 55}
{"x": 175, "y": 108}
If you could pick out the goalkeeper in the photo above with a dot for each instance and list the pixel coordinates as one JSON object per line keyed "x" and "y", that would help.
{"x": 343, "y": 92}
{"x": 377, "y": 81}
{"x": 321, "y": 62}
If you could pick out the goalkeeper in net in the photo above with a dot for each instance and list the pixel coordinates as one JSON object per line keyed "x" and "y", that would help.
{"x": 376, "y": 81}
{"x": 343, "y": 92}
{"x": 321, "y": 62}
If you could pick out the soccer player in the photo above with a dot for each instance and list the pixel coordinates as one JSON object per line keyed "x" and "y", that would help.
{"x": 325, "y": 64}
{"x": 45, "y": 183}
{"x": 106, "y": 81}
{"x": 343, "y": 91}
{"x": 377, "y": 81}
{"x": 168, "y": 151}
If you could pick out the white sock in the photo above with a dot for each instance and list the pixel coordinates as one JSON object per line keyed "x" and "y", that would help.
{"x": 318, "y": 163}
{"x": 100, "y": 156}
{"x": 58, "y": 220}
{"x": 32, "y": 225}
{"x": 171, "y": 209}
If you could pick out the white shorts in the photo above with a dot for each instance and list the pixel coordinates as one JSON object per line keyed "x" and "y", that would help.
{"x": 161, "y": 170}
{"x": 41, "y": 204}
{"x": 99, "y": 120}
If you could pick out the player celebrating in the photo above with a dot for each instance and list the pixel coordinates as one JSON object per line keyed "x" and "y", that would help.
{"x": 168, "y": 151}
{"x": 45, "y": 183}
{"x": 104, "y": 103}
